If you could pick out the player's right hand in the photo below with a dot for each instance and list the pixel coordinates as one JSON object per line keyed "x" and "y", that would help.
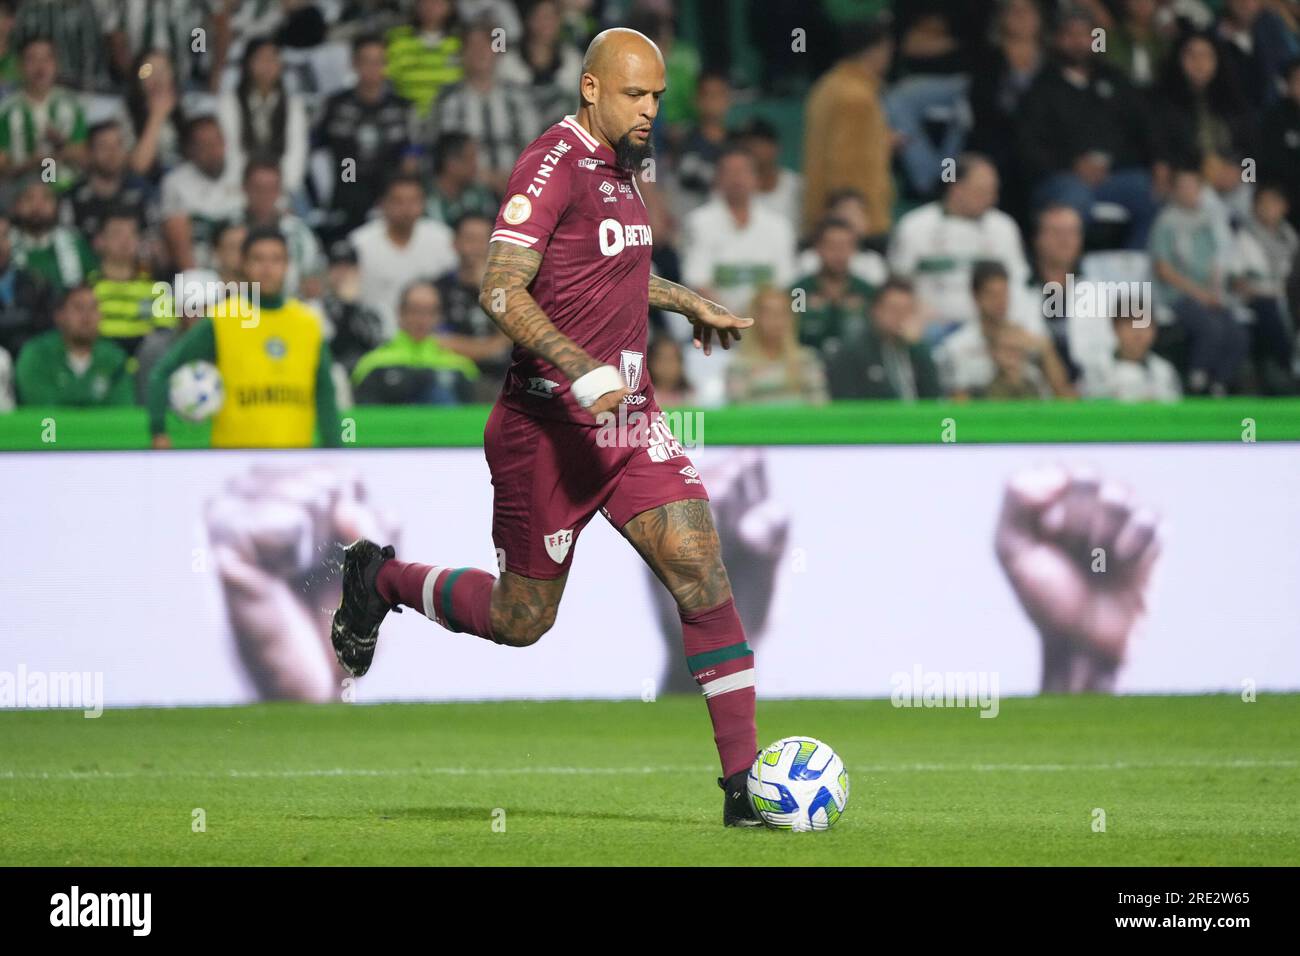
{"x": 161, "y": 441}
{"x": 609, "y": 401}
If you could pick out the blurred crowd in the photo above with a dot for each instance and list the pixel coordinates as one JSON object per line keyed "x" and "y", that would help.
{"x": 1024, "y": 199}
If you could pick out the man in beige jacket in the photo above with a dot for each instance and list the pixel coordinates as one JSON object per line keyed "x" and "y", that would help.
{"x": 847, "y": 139}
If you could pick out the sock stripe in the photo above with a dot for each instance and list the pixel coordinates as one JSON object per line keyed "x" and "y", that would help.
{"x": 452, "y": 623}
{"x": 698, "y": 662}
{"x": 725, "y": 685}
{"x": 430, "y": 579}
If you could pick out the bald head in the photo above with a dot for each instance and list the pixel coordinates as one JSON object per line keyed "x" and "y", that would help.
{"x": 609, "y": 47}
{"x": 622, "y": 80}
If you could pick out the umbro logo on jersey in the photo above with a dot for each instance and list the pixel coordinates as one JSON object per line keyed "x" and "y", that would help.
{"x": 607, "y": 187}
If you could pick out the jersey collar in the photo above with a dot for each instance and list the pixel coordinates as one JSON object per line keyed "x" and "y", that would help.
{"x": 593, "y": 145}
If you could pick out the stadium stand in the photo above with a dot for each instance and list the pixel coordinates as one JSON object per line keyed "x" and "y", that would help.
{"x": 915, "y": 144}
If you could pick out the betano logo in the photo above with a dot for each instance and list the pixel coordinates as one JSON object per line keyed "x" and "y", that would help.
{"x": 614, "y": 236}
{"x": 103, "y": 909}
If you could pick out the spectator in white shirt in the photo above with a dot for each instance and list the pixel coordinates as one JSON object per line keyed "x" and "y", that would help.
{"x": 265, "y": 210}
{"x": 1134, "y": 373}
{"x": 779, "y": 189}
{"x": 936, "y": 245}
{"x": 996, "y": 356}
{"x": 733, "y": 244}
{"x": 850, "y": 207}
{"x": 199, "y": 195}
{"x": 400, "y": 247}
{"x": 262, "y": 118}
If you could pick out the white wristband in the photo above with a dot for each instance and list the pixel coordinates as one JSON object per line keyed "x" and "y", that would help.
{"x": 589, "y": 387}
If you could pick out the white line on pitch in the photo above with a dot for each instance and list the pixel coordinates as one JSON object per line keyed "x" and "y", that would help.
{"x": 610, "y": 771}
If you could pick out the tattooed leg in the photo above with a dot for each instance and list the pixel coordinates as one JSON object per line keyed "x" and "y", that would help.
{"x": 523, "y": 609}
{"x": 681, "y": 546}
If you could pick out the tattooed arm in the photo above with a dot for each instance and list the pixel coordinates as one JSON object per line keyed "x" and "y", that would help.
{"x": 505, "y": 297}
{"x": 705, "y": 314}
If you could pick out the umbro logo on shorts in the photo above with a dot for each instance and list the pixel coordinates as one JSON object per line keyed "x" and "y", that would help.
{"x": 692, "y": 476}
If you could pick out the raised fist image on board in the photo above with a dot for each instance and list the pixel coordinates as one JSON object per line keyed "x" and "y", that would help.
{"x": 277, "y": 534}
{"x": 1079, "y": 552}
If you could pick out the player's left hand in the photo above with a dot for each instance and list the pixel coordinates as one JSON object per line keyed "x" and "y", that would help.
{"x": 716, "y": 318}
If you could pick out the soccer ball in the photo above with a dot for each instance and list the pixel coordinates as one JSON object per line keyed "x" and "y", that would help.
{"x": 195, "y": 391}
{"x": 798, "y": 783}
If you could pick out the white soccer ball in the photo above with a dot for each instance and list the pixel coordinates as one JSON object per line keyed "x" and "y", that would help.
{"x": 798, "y": 783}
{"x": 195, "y": 391}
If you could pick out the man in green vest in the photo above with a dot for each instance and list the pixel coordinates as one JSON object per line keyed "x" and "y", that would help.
{"x": 414, "y": 367}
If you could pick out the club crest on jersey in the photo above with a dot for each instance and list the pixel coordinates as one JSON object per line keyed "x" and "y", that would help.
{"x": 630, "y": 365}
{"x": 558, "y": 544}
{"x": 518, "y": 209}
{"x": 615, "y": 236}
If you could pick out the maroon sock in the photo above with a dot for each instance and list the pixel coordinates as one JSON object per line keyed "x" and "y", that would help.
{"x": 723, "y": 665}
{"x": 460, "y": 599}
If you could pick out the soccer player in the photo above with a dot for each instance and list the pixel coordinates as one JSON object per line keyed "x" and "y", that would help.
{"x": 568, "y": 279}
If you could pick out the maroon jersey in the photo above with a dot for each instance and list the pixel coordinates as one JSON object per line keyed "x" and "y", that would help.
{"x": 571, "y": 203}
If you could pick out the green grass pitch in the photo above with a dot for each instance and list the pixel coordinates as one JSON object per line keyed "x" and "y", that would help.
{"x": 1182, "y": 780}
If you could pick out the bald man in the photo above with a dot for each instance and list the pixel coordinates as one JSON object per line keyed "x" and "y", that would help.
{"x": 576, "y": 428}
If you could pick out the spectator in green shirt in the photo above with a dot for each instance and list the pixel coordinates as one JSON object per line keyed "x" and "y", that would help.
{"x": 414, "y": 368}
{"x": 57, "y": 254}
{"x": 835, "y": 301}
{"x": 456, "y": 189}
{"x": 886, "y": 359}
{"x": 72, "y": 365}
{"x": 124, "y": 288}
{"x": 41, "y": 121}
{"x": 424, "y": 55}
{"x": 8, "y": 59}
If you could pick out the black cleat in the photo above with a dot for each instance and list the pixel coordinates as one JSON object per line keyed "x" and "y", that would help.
{"x": 361, "y": 610}
{"x": 737, "y": 808}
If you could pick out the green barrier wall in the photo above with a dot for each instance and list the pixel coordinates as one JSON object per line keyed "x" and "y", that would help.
{"x": 844, "y": 423}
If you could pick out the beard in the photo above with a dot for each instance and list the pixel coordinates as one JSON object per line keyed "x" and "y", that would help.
{"x": 629, "y": 155}
{"x": 35, "y": 224}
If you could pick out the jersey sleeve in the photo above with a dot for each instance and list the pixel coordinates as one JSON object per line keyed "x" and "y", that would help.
{"x": 536, "y": 197}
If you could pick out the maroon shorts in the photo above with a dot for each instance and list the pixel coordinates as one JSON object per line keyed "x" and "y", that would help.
{"x": 550, "y": 477}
